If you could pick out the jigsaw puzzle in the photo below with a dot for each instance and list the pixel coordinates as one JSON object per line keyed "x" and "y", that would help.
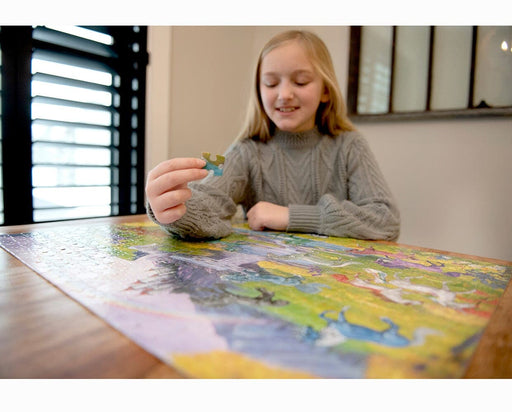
{"x": 271, "y": 304}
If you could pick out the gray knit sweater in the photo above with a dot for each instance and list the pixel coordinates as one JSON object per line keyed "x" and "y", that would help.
{"x": 332, "y": 186}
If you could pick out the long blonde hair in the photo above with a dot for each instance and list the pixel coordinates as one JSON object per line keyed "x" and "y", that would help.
{"x": 331, "y": 116}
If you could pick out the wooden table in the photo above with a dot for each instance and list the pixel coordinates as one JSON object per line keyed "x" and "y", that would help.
{"x": 45, "y": 334}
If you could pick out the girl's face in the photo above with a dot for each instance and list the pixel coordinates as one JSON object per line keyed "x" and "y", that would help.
{"x": 290, "y": 88}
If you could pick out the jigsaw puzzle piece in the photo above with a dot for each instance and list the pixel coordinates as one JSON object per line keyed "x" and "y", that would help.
{"x": 215, "y": 165}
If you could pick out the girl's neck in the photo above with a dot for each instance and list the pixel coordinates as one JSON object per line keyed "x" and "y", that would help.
{"x": 306, "y": 138}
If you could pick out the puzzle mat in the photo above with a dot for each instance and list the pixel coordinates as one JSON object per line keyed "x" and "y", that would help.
{"x": 273, "y": 305}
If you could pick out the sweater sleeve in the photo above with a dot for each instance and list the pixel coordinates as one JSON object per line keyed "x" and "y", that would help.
{"x": 366, "y": 211}
{"x": 213, "y": 201}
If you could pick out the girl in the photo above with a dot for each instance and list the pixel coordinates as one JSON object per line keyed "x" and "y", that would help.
{"x": 298, "y": 165}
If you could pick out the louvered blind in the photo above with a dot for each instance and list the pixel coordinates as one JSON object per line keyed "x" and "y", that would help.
{"x": 87, "y": 120}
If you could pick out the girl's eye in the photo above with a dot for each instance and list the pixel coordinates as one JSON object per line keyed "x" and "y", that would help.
{"x": 269, "y": 82}
{"x": 302, "y": 81}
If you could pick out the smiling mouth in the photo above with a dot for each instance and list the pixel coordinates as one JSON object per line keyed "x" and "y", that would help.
{"x": 287, "y": 109}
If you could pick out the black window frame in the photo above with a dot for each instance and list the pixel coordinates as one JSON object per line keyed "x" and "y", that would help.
{"x": 353, "y": 84}
{"x": 129, "y": 63}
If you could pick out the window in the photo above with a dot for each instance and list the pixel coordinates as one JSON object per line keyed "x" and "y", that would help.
{"x": 417, "y": 72}
{"x": 73, "y": 136}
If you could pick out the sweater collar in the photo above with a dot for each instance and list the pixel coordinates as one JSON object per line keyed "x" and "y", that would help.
{"x": 297, "y": 140}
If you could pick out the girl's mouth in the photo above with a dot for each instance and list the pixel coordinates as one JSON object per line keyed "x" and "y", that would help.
{"x": 287, "y": 109}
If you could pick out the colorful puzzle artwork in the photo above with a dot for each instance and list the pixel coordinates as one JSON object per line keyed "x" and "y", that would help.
{"x": 215, "y": 165}
{"x": 274, "y": 305}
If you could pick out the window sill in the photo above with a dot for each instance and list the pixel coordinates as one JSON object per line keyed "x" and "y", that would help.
{"x": 432, "y": 115}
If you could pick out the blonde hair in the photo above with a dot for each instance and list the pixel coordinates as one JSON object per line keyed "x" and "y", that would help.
{"x": 331, "y": 116}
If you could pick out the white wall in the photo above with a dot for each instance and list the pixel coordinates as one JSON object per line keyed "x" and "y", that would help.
{"x": 158, "y": 96}
{"x": 452, "y": 181}
{"x": 451, "y": 178}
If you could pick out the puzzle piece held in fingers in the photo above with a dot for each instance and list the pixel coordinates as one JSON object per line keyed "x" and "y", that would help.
{"x": 215, "y": 165}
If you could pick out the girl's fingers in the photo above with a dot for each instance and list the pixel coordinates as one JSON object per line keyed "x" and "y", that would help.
{"x": 171, "y": 199}
{"x": 171, "y": 215}
{"x": 174, "y": 180}
{"x": 167, "y": 187}
{"x": 179, "y": 163}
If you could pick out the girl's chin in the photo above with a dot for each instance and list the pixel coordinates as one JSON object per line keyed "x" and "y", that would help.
{"x": 292, "y": 126}
{"x": 293, "y": 129}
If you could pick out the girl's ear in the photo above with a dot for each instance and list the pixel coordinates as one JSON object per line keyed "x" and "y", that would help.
{"x": 324, "y": 98}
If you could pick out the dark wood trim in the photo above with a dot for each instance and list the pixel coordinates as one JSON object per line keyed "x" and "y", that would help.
{"x": 431, "y": 46}
{"x": 16, "y": 44}
{"x": 471, "y": 93}
{"x": 392, "y": 80}
{"x": 353, "y": 68}
{"x": 433, "y": 115}
{"x": 131, "y": 65}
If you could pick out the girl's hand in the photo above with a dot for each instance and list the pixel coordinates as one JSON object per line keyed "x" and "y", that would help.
{"x": 268, "y": 215}
{"x": 167, "y": 187}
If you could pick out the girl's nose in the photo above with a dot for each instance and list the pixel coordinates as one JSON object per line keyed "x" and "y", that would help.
{"x": 285, "y": 91}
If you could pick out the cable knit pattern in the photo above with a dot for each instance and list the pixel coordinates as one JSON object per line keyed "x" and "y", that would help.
{"x": 332, "y": 186}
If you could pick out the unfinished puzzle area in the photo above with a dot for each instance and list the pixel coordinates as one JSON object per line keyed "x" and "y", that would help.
{"x": 273, "y": 305}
